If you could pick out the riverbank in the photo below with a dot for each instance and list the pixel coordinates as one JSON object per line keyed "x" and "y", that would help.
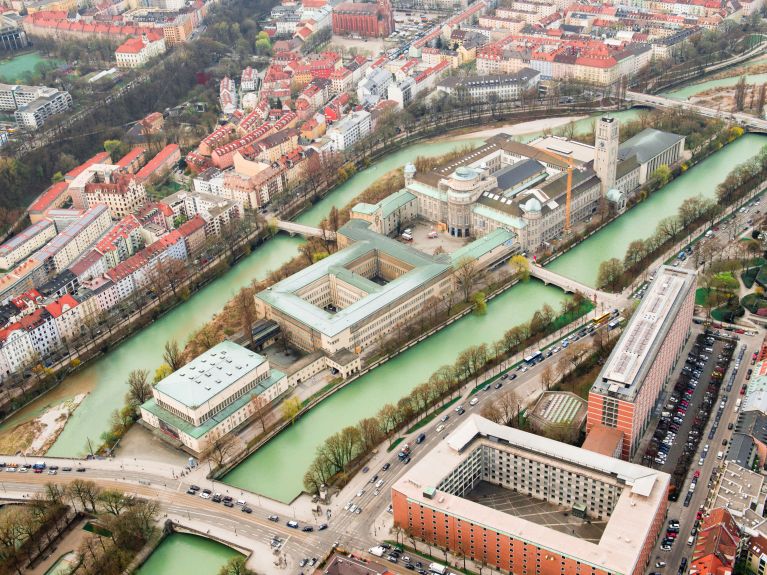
{"x": 520, "y": 129}
{"x": 35, "y": 437}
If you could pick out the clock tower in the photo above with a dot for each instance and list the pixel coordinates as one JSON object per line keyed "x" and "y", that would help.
{"x": 606, "y": 152}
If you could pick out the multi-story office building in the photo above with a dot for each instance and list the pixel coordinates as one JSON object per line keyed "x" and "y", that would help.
{"x": 214, "y": 393}
{"x": 565, "y": 510}
{"x": 632, "y": 379}
{"x": 25, "y": 243}
{"x": 350, "y": 130}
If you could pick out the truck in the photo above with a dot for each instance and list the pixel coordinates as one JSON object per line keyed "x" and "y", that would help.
{"x": 438, "y": 569}
{"x": 377, "y": 551}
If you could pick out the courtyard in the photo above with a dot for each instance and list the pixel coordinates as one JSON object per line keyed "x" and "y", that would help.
{"x": 536, "y": 511}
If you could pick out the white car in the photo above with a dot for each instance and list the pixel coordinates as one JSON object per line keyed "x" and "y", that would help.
{"x": 440, "y": 428}
{"x": 474, "y": 401}
{"x": 205, "y": 495}
{"x": 361, "y": 493}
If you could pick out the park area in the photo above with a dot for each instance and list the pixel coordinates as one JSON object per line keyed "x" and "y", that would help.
{"x": 732, "y": 287}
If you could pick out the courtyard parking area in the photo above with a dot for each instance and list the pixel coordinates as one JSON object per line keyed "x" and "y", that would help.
{"x": 536, "y": 511}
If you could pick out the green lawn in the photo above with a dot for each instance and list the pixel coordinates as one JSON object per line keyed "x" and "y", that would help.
{"x": 701, "y": 295}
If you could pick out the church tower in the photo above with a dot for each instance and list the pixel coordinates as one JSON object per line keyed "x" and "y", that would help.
{"x": 606, "y": 152}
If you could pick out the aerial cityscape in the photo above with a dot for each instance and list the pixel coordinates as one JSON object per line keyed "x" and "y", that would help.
{"x": 380, "y": 287}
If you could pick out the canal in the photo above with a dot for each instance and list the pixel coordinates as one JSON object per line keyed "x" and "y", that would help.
{"x": 189, "y": 554}
{"x": 582, "y": 262}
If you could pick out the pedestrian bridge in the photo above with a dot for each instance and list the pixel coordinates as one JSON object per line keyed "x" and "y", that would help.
{"x": 570, "y": 285}
{"x": 294, "y": 228}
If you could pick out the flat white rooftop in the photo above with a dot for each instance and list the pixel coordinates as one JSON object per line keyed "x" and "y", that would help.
{"x": 631, "y": 521}
{"x": 624, "y": 371}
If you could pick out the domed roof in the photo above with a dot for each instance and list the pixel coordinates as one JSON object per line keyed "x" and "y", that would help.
{"x": 532, "y": 205}
{"x": 464, "y": 173}
{"x": 410, "y": 168}
{"x": 614, "y": 195}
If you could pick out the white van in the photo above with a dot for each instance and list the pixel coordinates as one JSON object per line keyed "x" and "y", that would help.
{"x": 691, "y": 540}
{"x": 379, "y": 483}
{"x": 719, "y": 455}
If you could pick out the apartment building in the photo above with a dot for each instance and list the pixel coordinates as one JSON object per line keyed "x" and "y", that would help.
{"x": 17, "y": 350}
{"x": 506, "y": 87}
{"x": 33, "y": 105}
{"x": 123, "y": 196}
{"x": 73, "y": 241}
{"x": 439, "y": 500}
{"x": 212, "y": 394}
{"x": 632, "y": 379}
{"x": 25, "y": 243}
{"x": 350, "y": 130}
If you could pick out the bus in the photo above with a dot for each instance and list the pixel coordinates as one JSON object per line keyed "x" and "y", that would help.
{"x": 601, "y": 319}
{"x": 534, "y": 358}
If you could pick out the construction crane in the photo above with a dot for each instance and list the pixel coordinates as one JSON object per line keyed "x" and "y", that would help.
{"x": 570, "y": 164}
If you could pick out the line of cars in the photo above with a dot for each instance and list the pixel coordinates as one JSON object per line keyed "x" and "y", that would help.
{"x": 38, "y": 467}
{"x": 672, "y": 532}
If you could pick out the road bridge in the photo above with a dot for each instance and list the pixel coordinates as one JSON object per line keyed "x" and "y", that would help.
{"x": 753, "y": 124}
{"x": 303, "y": 230}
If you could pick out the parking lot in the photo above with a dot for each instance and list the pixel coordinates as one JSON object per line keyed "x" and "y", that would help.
{"x": 687, "y": 409}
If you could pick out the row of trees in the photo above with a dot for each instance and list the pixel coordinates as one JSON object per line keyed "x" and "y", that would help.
{"x": 25, "y": 531}
{"x": 615, "y": 274}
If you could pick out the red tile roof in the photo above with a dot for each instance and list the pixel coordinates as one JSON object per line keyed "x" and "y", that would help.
{"x": 154, "y": 164}
{"x": 56, "y": 308}
{"x": 48, "y": 197}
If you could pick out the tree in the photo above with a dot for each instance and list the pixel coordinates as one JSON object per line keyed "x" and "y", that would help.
{"x": 610, "y": 275}
{"x": 669, "y": 227}
{"x": 220, "y": 446}
{"x": 547, "y": 377}
{"x": 245, "y": 308}
{"x": 465, "y": 272}
{"x": 86, "y": 492}
{"x": 163, "y": 371}
{"x": 114, "y": 502}
{"x": 740, "y": 94}
{"x": 258, "y": 404}
{"x": 235, "y": 566}
{"x": 172, "y": 355}
{"x": 520, "y": 266}
{"x": 480, "y": 303}
{"x": 492, "y": 412}
{"x": 290, "y": 408}
{"x": 139, "y": 390}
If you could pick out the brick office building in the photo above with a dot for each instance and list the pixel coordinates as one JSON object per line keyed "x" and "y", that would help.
{"x": 556, "y": 509}
{"x": 367, "y": 19}
{"x": 641, "y": 363}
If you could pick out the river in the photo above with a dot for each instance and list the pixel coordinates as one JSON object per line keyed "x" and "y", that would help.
{"x": 582, "y": 262}
{"x": 695, "y": 88}
{"x": 189, "y": 554}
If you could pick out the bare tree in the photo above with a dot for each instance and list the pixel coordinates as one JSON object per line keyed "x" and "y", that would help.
{"x": 172, "y": 355}
{"x": 139, "y": 389}
{"x": 466, "y": 274}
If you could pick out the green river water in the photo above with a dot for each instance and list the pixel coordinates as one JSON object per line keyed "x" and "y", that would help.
{"x": 582, "y": 263}
{"x": 184, "y": 554}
